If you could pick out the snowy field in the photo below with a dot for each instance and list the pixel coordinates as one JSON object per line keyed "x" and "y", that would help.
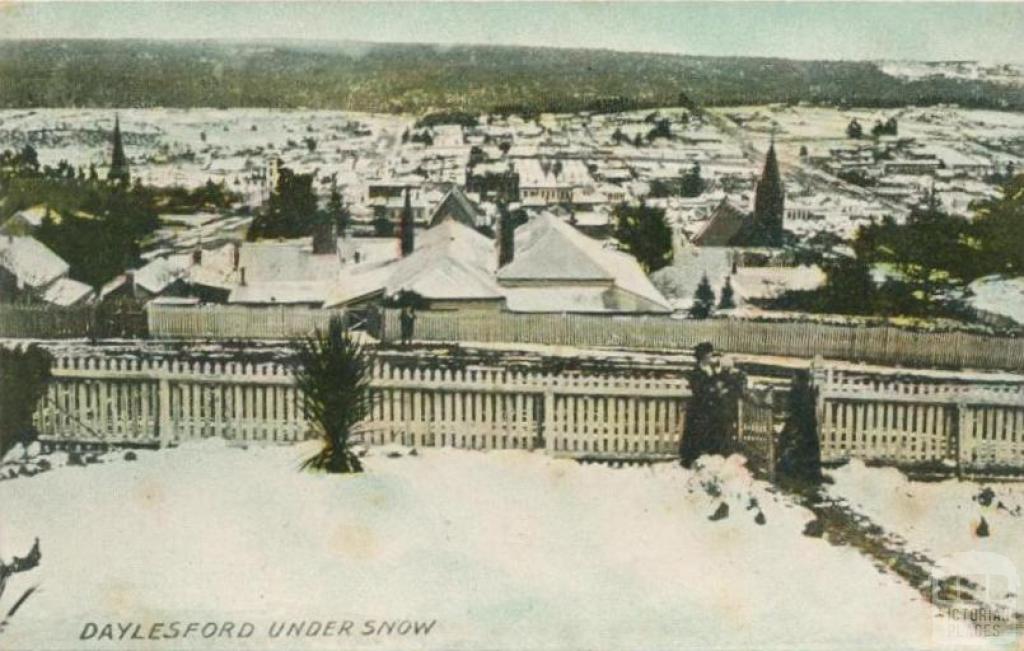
{"x": 501, "y": 550}
{"x": 942, "y": 520}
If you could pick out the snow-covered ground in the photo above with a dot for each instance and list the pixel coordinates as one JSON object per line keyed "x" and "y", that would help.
{"x": 502, "y": 549}
{"x": 999, "y": 295}
{"x": 942, "y": 519}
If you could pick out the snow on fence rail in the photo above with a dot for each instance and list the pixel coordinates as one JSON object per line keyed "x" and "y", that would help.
{"x": 236, "y": 321}
{"x": 874, "y": 344}
{"x": 113, "y": 401}
{"x": 902, "y": 418}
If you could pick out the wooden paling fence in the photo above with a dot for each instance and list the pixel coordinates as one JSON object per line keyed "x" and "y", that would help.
{"x": 907, "y": 419}
{"x": 873, "y": 344}
{"x": 118, "y": 401}
{"x": 236, "y": 321}
{"x": 51, "y": 322}
{"x": 37, "y": 321}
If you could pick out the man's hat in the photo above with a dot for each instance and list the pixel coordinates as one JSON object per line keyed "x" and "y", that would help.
{"x": 703, "y": 348}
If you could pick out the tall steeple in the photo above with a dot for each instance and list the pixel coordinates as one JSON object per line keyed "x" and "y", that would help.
{"x": 118, "y": 161}
{"x": 769, "y": 201}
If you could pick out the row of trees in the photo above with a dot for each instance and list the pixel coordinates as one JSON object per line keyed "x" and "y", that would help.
{"x": 927, "y": 261}
{"x": 86, "y": 214}
{"x": 688, "y": 184}
{"x": 704, "y": 302}
{"x": 855, "y": 130}
{"x": 96, "y": 226}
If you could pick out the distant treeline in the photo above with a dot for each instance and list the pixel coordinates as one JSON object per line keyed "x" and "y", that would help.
{"x": 423, "y": 78}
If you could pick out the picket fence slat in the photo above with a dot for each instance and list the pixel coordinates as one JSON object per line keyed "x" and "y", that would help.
{"x": 967, "y": 423}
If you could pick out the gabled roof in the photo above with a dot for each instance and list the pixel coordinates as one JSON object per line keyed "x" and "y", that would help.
{"x": 455, "y": 205}
{"x": 113, "y": 285}
{"x": 281, "y": 293}
{"x": 451, "y": 261}
{"x": 288, "y": 260}
{"x": 31, "y": 261}
{"x": 33, "y": 216}
{"x": 66, "y": 292}
{"x": 727, "y": 223}
{"x": 156, "y": 276}
{"x": 552, "y": 252}
{"x": 546, "y": 248}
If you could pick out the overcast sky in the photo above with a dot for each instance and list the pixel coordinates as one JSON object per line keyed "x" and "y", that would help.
{"x": 824, "y": 30}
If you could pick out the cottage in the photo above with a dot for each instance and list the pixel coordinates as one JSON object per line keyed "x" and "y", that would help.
{"x": 556, "y": 268}
{"x": 35, "y": 273}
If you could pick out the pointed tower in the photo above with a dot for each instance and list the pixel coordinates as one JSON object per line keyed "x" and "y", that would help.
{"x": 118, "y": 161}
{"x": 769, "y": 202}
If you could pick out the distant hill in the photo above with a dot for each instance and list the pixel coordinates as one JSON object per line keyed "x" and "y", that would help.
{"x": 421, "y": 78}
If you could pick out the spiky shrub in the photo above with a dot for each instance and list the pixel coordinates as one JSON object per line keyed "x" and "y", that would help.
{"x": 333, "y": 372}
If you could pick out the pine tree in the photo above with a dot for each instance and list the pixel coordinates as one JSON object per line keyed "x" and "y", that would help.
{"x": 406, "y": 231}
{"x": 727, "y": 301}
{"x": 703, "y": 299}
{"x": 337, "y": 210}
{"x": 645, "y": 233}
{"x": 799, "y": 455}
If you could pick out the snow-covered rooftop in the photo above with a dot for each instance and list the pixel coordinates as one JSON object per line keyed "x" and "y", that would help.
{"x": 31, "y": 261}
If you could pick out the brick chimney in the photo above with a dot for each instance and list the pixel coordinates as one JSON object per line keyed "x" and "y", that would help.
{"x": 506, "y": 237}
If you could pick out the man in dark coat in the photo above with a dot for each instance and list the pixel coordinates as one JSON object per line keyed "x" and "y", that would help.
{"x": 408, "y": 318}
{"x": 711, "y": 410}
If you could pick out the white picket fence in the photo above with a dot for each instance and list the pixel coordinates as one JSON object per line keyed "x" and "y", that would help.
{"x": 114, "y": 401}
{"x": 905, "y": 418}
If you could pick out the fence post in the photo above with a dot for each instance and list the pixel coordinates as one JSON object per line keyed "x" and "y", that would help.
{"x": 816, "y": 375}
{"x": 165, "y": 425}
{"x": 957, "y": 443}
{"x": 547, "y": 412}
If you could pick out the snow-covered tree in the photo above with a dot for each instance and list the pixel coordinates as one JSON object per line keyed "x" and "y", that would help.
{"x": 727, "y": 300}
{"x": 703, "y": 299}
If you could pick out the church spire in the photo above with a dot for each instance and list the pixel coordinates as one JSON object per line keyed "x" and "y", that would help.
{"x": 118, "y": 161}
{"x": 769, "y": 200}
